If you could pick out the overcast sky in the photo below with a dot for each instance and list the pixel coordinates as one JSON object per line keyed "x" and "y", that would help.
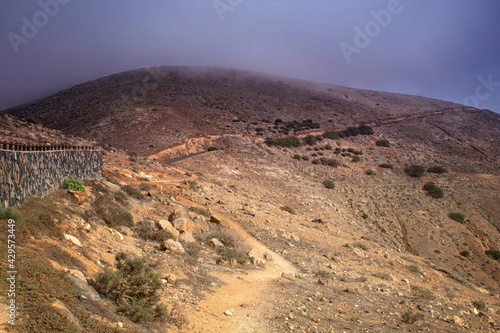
{"x": 446, "y": 49}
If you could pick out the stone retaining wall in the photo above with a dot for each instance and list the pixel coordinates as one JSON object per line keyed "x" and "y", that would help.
{"x": 39, "y": 170}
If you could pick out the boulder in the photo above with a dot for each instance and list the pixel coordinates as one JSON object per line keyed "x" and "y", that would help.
{"x": 187, "y": 237}
{"x": 173, "y": 246}
{"x": 73, "y": 239}
{"x": 215, "y": 243}
{"x": 215, "y": 219}
{"x": 166, "y": 225}
{"x": 257, "y": 257}
{"x": 181, "y": 220}
{"x": 288, "y": 275}
{"x": 81, "y": 284}
{"x": 79, "y": 196}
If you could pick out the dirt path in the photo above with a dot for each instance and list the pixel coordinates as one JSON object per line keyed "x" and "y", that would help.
{"x": 248, "y": 295}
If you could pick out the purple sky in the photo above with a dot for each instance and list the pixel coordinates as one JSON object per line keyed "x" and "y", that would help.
{"x": 447, "y": 49}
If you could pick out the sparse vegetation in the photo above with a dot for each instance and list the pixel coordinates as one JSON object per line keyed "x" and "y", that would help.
{"x": 73, "y": 185}
{"x": 311, "y": 140}
{"x": 330, "y": 184}
{"x": 494, "y": 254}
{"x": 133, "y": 287}
{"x": 133, "y": 192}
{"x": 465, "y": 253}
{"x": 10, "y": 213}
{"x": 112, "y": 213}
{"x": 459, "y": 217}
{"x": 356, "y": 158}
{"x": 212, "y": 148}
{"x": 297, "y": 157}
{"x": 383, "y": 143}
{"x": 415, "y": 171}
{"x": 433, "y": 190}
{"x": 386, "y": 166}
{"x": 370, "y": 172}
{"x": 410, "y": 317}
{"x": 437, "y": 169}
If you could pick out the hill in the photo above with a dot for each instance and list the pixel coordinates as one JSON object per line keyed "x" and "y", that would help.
{"x": 147, "y": 110}
{"x": 334, "y": 232}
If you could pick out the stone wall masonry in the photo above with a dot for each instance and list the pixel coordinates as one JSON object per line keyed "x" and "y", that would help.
{"x": 28, "y": 173}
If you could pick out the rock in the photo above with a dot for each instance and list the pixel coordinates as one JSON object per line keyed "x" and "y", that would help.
{"x": 321, "y": 282}
{"x": 233, "y": 262}
{"x": 126, "y": 231}
{"x": 73, "y": 239}
{"x": 120, "y": 324}
{"x": 147, "y": 248}
{"x": 187, "y": 237}
{"x": 288, "y": 275}
{"x": 182, "y": 221}
{"x": 215, "y": 219}
{"x": 166, "y": 225}
{"x": 151, "y": 193}
{"x": 257, "y": 257}
{"x": 315, "y": 319}
{"x": 229, "y": 313}
{"x": 221, "y": 202}
{"x": 79, "y": 196}
{"x": 81, "y": 284}
{"x": 64, "y": 311}
{"x": 171, "y": 278}
{"x": 87, "y": 227}
{"x": 172, "y": 245}
{"x": 215, "y": 243}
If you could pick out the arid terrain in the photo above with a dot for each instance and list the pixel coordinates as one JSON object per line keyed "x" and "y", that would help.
{"x": 332, "y": 234}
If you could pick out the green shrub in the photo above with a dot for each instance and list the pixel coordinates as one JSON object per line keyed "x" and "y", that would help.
{"x": 433, "y": 190}
{"x": 328, "y": 147}
{"x": 457, "y": 217}
{"x": 383, "y": 143}
{"x": 316, "y": 161}
{"x": 494, "y": 254}
{"x": 415, "y": 171}
{"x": 365, "y": 216}
{"x": 356, "y": 158}
{"x": 329, "y": 161}
{"x": 297, "y": 157}
{"x": 10, "y": 213}
{"x": 437, "y": 169}
{"x": 73, "y": 185}
{"x": 133, "y": 192}
{"x": 329, "y": 184}
{"x": 365, "y": 130}
{"x": 370, "y": 172}
{"x": 288, "y": 142}
{"x": 305, "y": 158}
{"x": 212, "y": 149}
{"x": 465, "y": 253}
{"x": 311, "y": 140}
{"x": 133, "y": 287}
{"x": 331, "y": 135}
{"x": 386, "y": 166}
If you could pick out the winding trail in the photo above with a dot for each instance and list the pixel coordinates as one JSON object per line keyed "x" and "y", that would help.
{"x": 247, "y": 294}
